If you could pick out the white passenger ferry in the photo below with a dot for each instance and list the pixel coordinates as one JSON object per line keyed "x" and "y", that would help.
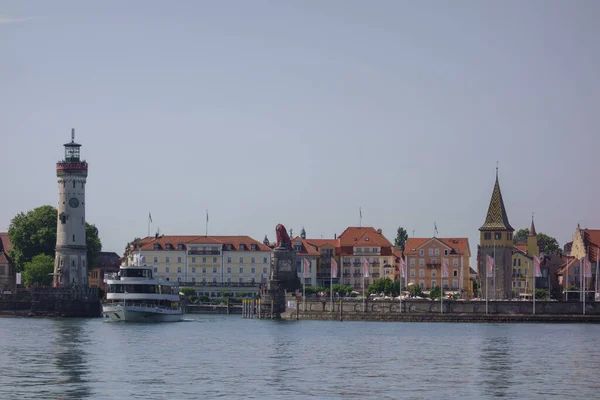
{"x": 135, "y": 295}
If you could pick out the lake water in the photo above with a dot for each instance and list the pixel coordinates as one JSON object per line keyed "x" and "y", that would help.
{"x": 227, "y": 357}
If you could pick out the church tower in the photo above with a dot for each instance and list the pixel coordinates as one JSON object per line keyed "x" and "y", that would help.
{"x": 70, "y": 263}
{"x": 532, "y": 245}
{"x": 496, "y": 241}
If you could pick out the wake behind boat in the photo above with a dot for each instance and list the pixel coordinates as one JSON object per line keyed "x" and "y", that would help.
{"x": 135, "y": 295}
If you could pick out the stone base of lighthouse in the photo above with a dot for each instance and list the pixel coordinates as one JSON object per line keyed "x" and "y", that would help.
{"x": 70, "y": 267}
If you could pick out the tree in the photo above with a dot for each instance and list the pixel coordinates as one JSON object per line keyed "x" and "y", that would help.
{"x": 522, "y": 233}
{"x": 132, "y": 242}
{"x": 34, "y": 233}
{"x": 342, "y": 290}
{"x": 415, "y": 290}
{"x": 548, "y": 244}
{"x": 39, "y": 270}
{"x": 386, "y": 286}
{"x": 401, "y": 238}
{"x": 541, "y": 294}
{"x": 435, "y": 293}
{"x": 94, "y": 245}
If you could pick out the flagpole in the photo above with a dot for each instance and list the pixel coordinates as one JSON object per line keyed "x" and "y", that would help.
{"x": 149, "y": 221}
{"x": 304, "y": 284}
{"x": 534, "y": 274}
{"x": 487, "y": 283}
{"x": 331, "y": 284}
{"x": 364, "y": 294}
{"x": 206, "y": 231}
{"x": 596, "y": 286}
{"x": 583, "y": 284}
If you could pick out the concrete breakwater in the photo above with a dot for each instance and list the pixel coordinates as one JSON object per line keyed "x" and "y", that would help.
{"x": 452, "y": 311}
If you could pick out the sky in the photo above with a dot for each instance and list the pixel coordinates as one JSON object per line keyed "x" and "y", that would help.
{"x": 267, "y": 112}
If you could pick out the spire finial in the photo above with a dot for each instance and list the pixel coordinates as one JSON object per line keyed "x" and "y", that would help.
{"x": 72, "y": 135}
{"x": 496, "y": 170}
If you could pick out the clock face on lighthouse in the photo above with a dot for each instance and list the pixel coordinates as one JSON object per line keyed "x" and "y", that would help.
{"x": 73, "y": 202}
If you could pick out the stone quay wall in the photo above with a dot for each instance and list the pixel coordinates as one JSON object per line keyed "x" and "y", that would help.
{"x": 53, "y": 302}
{"x": 453, "y": 311}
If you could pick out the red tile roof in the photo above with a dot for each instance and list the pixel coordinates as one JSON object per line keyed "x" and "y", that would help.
{"x": 6, "y": 244}
{"x": 592, "y": 241}
{"x": 363, "y": 236}
{"x": 460, "y": 244}
{"x": 148, "y": 243}
{"x": 4, "y": 258}
{"x": 521, "y": 247}
{"x": 307, "y": 248}
{"x": 322, "y": 242}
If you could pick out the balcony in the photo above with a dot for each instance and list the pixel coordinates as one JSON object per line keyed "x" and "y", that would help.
{"x": 518, "y": 275}
{"x": 346, "y": 263}
{"x": 434, "y": 265}
{"x": 347, "y": 275}
{"x": 357, "y": 274}
{"x": 375, "y": 274}
{"x": 375, "y": 262}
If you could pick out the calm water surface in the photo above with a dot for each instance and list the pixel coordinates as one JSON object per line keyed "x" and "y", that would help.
{"x": 231, "y": 358}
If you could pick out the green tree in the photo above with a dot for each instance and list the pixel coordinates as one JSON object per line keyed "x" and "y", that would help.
{"x": 541, "y": 294}
{"x": 132, "y": 242}
{"x": 34, "y": 233}
{"x": 187, "y": 292}
{"x": 386, "y": 286}
{"x": 435, "y": 292}
{"x": 522, "y": 233}
{"x": 415, "y": 290}
{"x": 39, "y": 270}
{"x": 401, "y": 238}
{"x": 342, "y": 290}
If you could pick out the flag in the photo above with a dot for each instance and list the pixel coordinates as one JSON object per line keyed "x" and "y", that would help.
{"x": 334, "y": 268}
{"x": 365, "y": 267}
{"x": 306, "y": 267}
{"x": 206, "y": 215}
{"x": 587, "y": 271}
{"x": 444, "y": 268}
{"x": 360, "y": 211}
{"x": 490, "y": 267}
{"x": 435, "y": 227}
{"x": 402, "y": 268}
{"x": 537, "y": 271}
{"x": 150, "y": 217}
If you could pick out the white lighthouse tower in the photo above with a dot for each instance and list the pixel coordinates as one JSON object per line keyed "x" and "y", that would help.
{"x": 70, "y": 264}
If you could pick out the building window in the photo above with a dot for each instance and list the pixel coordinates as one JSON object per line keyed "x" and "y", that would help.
{"x": 421, "y": 262}
{"x": 422, "y": 252}
{"x": 430, "y": 252}
{"x": 434, "y": 260}
{"x": 252, "y": 260}
{"x": 433, "y": 273}
{"x": 203, "y": 270}
{"x": 412, "y": 262}
{"x": 422, "y": 284}
{"x": 167, "y": 260}
{"x": 155, "y": 270}
{"x": 498, "y": 235}
{"x": 433, "y": 284}
{"x": 241, "y": 280}
{"x": 228, "y": 270}
{"x": 214, "y": 259}
{"x": 203, "y": 260}
{"x": 455, "y": 272}
{"x": 298, "y": 247}
{"x": 445, "y": 252}
{"x": 264, "y": 260}
{"x": 179, "y": 269}
{"x": 193, "y": 279}
{"x": 214, "y": 280}
{"x": 214, "y": 270}
{"x": 155, "y": 246}
{"x": 178, "y": 259}
{"x": 509, "y": 236}
{"x": 228, "y": 260}
{"x": 155, "y": 259}
{"x": 264, "y": 270}
{"x": 252, "y": 270}
{"x": 73, "y": 237}
{"x": 455, "y": 284}
{"x": 193, "y": 270}
{"x": 487, "y": 236}
{"x": 519, "y": 262}
{"x": 241, "y": 270}
{"x": 421, "y": 273}
{"x": 412, "y": 273}
{"x": 455, "y": 262}
{"x": 194, "y": 260}
{"x": 437, "y": 252}
{"x": 241, "y": 260}
{"x": 167, "y": 270}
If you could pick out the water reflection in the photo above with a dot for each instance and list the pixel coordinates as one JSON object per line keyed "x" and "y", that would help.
{"x": 496, "y": 365}
{"x": 69, "y": 356}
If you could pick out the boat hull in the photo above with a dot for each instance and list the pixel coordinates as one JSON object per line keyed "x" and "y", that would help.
{"x": 140, "y": 314}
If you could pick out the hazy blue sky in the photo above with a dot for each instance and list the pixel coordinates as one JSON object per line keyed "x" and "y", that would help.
{"x": 302, "y": 112}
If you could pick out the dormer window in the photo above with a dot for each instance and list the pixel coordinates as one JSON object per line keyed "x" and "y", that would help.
{"x": 180, "y": 246}
{"x": 229, "y": 246}
{"x": 156, "y": 245}
{"x": 252, "y": 247}
{"x": 169, "y": 246}
{"x": 241, "y": 246}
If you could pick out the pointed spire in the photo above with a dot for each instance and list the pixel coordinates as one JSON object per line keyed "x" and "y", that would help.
{"x": 532, "y": 231}
{"x": 496, "y": 219}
